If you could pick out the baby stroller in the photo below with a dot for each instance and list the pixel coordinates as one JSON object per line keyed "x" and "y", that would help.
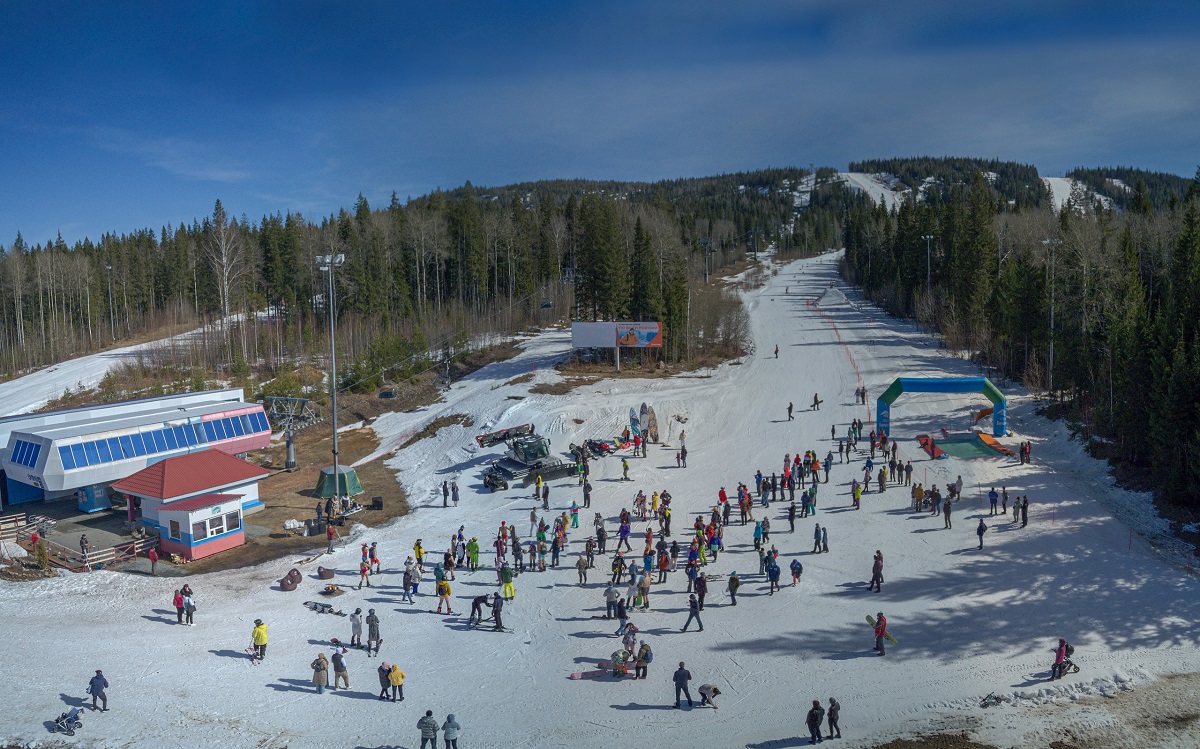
{"x": 68, "y": 722}
{"x": 1068, "y": 666}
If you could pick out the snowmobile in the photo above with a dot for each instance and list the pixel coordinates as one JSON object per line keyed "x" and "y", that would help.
{"x": 495, "y": 481}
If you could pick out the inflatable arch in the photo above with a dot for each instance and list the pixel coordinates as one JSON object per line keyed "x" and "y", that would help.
{"x": 883, "y": 415}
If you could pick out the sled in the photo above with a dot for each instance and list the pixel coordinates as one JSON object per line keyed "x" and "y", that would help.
{"x": 888, "y": 636}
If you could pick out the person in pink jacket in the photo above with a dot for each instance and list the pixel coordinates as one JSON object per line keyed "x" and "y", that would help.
{"x": 1060, "y": 656}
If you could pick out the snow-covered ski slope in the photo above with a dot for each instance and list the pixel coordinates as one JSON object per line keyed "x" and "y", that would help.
{"x": 969, "y": 622}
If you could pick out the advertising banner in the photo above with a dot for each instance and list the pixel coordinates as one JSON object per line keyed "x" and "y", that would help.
{"x": 593, "y": 334}
{"x": 640, "y": 334}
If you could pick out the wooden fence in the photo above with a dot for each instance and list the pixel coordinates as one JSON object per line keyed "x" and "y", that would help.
{"x": 76, "y": 561}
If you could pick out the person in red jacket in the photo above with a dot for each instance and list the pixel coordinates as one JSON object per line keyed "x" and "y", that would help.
{"x": 177, "y": 602}
{"x": 153, "y": 557}
{"x": 880, "y": 631}
{"x": 1060, "y": 656}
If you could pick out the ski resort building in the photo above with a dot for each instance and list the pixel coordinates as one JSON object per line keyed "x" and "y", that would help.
{"x": 195, "y": 501}
{"x": 81, "y": 451}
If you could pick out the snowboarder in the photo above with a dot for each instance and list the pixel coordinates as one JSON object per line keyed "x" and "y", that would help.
{"x": 816, "y": 404}
{"x": 373, "y": 638}
{"x": 813, "y": 720}
{"x": 624, "y": 469}
{"x": 681, "y": 678}
{"x": 98, "y": 684}
{"x": 880, "y": 632}
{"x": 477, "y": 604}
{"x": 981, "y": 530}
{"x": 693, "y": 613}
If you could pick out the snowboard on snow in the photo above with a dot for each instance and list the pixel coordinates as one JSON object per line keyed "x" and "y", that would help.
{"x": 323, "y": 608}
{"x": 253, "y": 658}
{"x": 888, "y": 636}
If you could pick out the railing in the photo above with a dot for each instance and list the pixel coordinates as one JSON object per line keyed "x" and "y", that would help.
{"x": 13, "y": 521}
{"x": 76, "y": 561}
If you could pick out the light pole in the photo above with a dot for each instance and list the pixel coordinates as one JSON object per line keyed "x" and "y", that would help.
{"x": 928, "y": 265}
{"x": 328, "y": 263}
{"x": 1051, "y": 244}
{"x": 112, "y": 320}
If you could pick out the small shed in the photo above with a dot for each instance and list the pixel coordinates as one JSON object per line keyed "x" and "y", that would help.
{"x": 200, "y": 526}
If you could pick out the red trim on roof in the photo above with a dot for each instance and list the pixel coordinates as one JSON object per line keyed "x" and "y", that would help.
{"x": 191, "y": 504}
{"x": 188, "y": 474}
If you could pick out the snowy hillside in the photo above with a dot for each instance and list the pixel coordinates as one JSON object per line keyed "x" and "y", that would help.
{"x": 1063, "y": 189}
{"x": 967, "y": 621}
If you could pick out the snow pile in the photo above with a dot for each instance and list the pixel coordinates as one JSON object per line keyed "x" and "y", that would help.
{"x": 833, "y": 295}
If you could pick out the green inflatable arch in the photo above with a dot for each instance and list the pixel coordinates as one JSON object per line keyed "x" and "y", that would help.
{"x": 883, "y": 412}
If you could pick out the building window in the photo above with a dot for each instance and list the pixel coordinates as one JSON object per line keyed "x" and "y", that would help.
{"x": 68, "y": 460}
{"x": 93, "y": 457}
{"x": 169, "y": 436}
{"x": 216, "y": 526}
{"x": 102, "y": 449}
{"x": 199, "y": 531}
{"x": 33, "y": 459}
{"x": 114, "y": 447}
{"x": 77, "y": 454}
{"x": 210, "y": 432}
{"x": 233, "y": 521}
{"x": 175, "y": 529}
{"x": 160, "y": 442}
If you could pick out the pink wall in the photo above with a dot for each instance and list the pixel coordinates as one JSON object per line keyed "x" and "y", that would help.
{"x": 204, "y": 548}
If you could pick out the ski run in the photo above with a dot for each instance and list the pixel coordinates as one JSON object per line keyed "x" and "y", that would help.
{"x": 1091, "y": 565}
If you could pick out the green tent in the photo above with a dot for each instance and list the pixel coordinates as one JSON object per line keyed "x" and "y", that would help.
{"x": 347, "y": 484}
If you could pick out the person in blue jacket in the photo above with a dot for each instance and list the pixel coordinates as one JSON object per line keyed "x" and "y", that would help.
{"x": 773, "y": 577}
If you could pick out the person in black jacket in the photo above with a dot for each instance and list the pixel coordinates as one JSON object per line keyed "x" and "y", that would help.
{"x": 98, "y": 684}
{"x": 815, "y": 716}
{"x": 693, "y": 613}
{"x": 497, "y": 607}
{"x": 701, "y": 588}
{"x": 681, "y": 678}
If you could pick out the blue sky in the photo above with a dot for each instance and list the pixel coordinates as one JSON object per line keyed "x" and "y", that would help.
{"x": 125, "y": 115}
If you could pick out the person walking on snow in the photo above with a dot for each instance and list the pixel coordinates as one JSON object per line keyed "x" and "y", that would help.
{"x": 813, "y": 721}
{"x": 834, "y": 708}
{"x": 450, "y": 731}
{"x": 1060, "y": 657}
{"x": 877, "y": 573}
{"x": 693, "y": 613}
{"x": 789, "y": 418}
{"x": 320, "y": 668}
{"x": 816, "y": 538}
{"x": 825, "y": 539}
{"x": 777, "y": 351}
{"x": 259, "y": 637}
{"x": 373, "y": 638}
{"x": 993, "y": 498}
{"x": 981, "y": 530}
{"x": 98, "y": 684}
{"x": 880, "y": 632}
{"x": 734, "y": 583}
{"x": 429, "y": 729}
{"x": 443, "y": 593}
{"x": 797, "y": 571}
{"x": 946, "y": 512}
{"x": 356, "y": 629}
{"x": 396, "y": 682}
{"x": 681, "y": 678}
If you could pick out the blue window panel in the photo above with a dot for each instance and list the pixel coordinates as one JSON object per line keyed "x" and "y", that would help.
{"x": 93, "y": 457}
{"x": 18, "y": 448}
{"x": 68, "y": 460}
{"x": 247, "y": 427}
{"x": 233, "y": 426}
{"x": 189, "y": 434}
{"x": 102, "y": 450}
{"x": 219, "y": 425}
{"x": 201, "y": 437}
{"x": 264, "y": 422}
{"x": 238, "y": 428}
{"x": 172, "y": 441}
{"x": 139, "y": 447}
{"x": 160, "y": 442}
{"x": 37, "y": 451}
{"x": 210, "y": 432}
{"x": 114, "y": 447}
{"x": 80, "y": 458}
{"x": 180, "y": 437}
{"x": 127, "y": 446}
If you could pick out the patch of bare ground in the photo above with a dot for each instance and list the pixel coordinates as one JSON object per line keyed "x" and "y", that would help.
{"x": 580, "y": 374}
{"x": 521, "y": 379}
{"x": 23, "y": 571}
{"x": 432, "y": 427}
{"x": 935, "y": 741}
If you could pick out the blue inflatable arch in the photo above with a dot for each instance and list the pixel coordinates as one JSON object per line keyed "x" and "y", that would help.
{"x": 883, "y": 413}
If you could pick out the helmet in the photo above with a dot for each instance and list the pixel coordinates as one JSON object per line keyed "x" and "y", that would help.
{"x": 370, "y": 611}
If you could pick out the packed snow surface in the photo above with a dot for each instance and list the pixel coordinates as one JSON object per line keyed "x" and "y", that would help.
{"x": 968, "y": 622}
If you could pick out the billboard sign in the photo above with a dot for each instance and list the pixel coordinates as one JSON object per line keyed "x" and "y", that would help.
{"x": 640, "y": 334}
{"x": 593, "y": 334}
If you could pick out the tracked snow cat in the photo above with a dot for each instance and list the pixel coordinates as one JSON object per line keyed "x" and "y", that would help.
{"x": 528, "y": 455}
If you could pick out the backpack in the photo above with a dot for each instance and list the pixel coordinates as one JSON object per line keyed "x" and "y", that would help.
{"x": 1070, "y": 650}
{"x": 649, "y": 657}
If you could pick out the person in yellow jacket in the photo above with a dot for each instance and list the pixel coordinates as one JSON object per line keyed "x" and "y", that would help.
{"x": 396, "y": 679}
{"x": 443, "y": 594}
{"x": 259, "y": 638}
{"x": 419, "y": 551}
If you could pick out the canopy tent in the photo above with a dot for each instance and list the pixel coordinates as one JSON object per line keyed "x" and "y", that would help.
{"x": 346, "y": 485}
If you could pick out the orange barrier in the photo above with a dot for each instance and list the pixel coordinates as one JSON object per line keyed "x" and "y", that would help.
{"x": 991, "y": 442}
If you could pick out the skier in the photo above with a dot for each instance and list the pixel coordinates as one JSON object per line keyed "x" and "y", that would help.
{"x": 693, "y": 613}
{"x": 373, "y": 638}
{"x": 877, "y": 573}
{"x": 813, "y": 720}
{"x": 259, "y": 637}
{"x": 497, "y": 607}
{"x": 880, "y": 632}
{"x": 356, "y": 629}
{"x": 681, "y": 678}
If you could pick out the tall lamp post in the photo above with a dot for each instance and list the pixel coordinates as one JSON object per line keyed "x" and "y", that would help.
{"x": 1051, "y": 244}
{"x": 928, "y": 265}
{"x": 327, "y": 264}
{"x": 112, "y": 320}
